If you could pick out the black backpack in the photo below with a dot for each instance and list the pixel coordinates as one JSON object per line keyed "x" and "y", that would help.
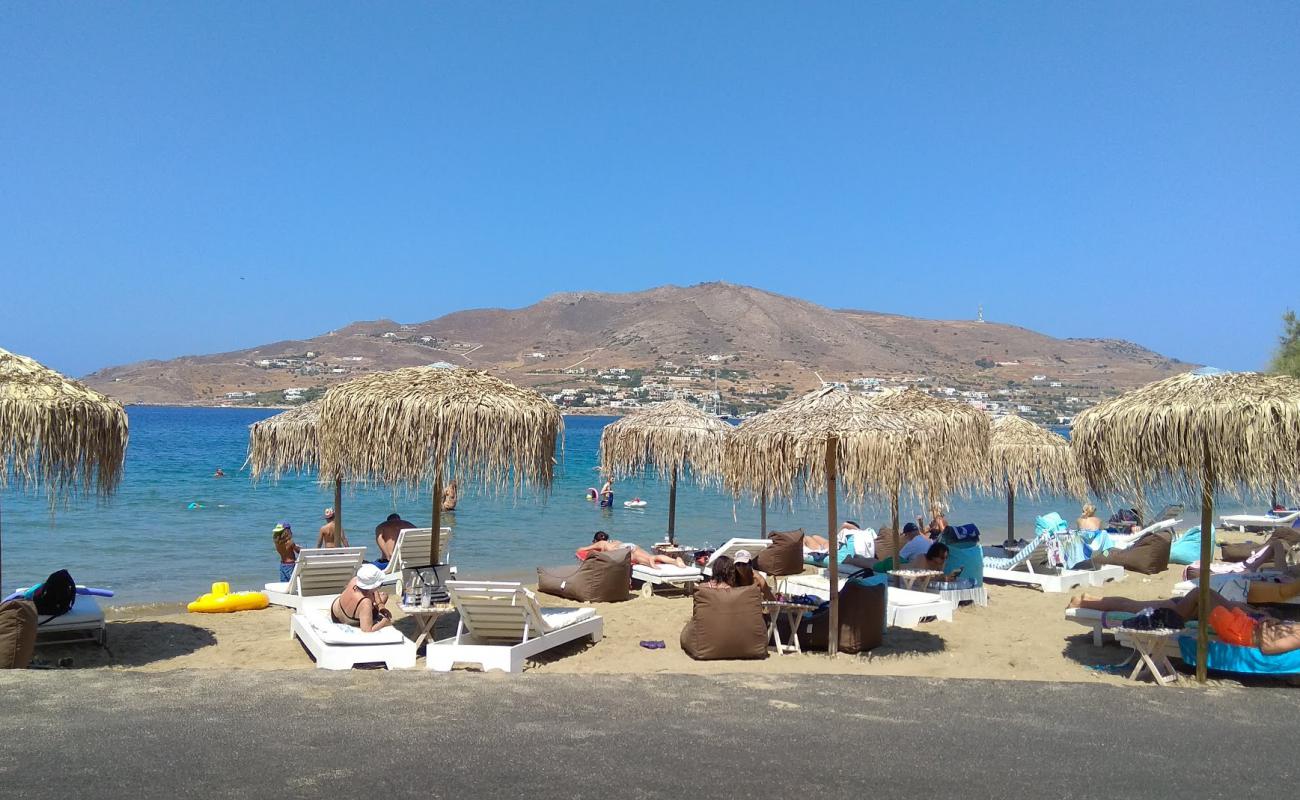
{"x": 56, "y": 595}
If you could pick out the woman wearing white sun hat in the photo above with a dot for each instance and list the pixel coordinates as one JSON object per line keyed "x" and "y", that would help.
{"x": 362, "y": 604}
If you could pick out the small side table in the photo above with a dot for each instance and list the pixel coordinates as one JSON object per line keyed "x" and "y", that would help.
{"x": 793, "y": 612}
{"x": 425, "y": 618}
{"x": 1153, "y": 649}
{"x": 908, "y": 578}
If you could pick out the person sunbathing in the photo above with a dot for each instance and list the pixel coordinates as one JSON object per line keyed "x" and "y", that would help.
{"x": 601, "y": 543}
{"x": 745, "y": 574}
{"x": 362, "y": 604}
{"x": 1235, "y": 622}
{"x": 1089, "y": 521}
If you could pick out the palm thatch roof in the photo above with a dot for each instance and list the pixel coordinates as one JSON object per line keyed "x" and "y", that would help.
{"x": 1229, "y": 430}
{"x": 403, "y": 426}
{"x": 57, "y": 432}
{"x": 666, "y": 437}
{"x": 1031, "y": 460}
{"x": 286, "y": 442}
{"x": 947, "y": 442}
{"x": 772, "y": 451}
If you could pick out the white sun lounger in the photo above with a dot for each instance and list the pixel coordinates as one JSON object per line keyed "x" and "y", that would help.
{"x": 412, "y": 549}
{"x": 1217, "y": 581}
{"x": 905, "y": 608}
{"x": 501, "y": 625}
{"x": 84, "y": 622}
{"x": 734, "y": 546}
{"x": 1259, "y": 521}
{"x": 320, "y": 575}
{"x": 1008, "y": 570}
{"x": 1100, "y": 622}
{"x": 337, "y": 646}
{"x": 665, "y": 575}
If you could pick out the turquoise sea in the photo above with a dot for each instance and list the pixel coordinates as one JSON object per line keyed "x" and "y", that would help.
{"x": 149, "y": 546}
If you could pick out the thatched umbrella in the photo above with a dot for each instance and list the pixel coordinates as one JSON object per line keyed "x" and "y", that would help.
{"x": 1028, "y": 459}
{"x": 945, "y": 449}
{"x": 828, "y": 436}
{"x": 288, "y": 442}
{"x": 57, "y": 432}
{"x": 1205, "y": 429}
{"x": 666, "y": 437}
{"x": 404, "y": 426}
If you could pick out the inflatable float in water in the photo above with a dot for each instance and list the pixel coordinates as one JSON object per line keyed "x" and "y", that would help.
{"x": 221, "y": 600}
{"x": 637, "y": 503}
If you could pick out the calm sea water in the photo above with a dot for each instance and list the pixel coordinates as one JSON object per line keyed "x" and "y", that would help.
{"x": 149, "y": 546}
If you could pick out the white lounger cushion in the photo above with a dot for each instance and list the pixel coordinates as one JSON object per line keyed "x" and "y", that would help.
{"x": 1260, "y": 520}
{"x": 337, "y": 646}
{"x": 557, "y": 618}
{"x": 667, "y": 571}
{"x": 336, "y": 633}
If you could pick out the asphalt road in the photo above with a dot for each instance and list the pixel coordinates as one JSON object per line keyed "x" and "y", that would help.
{"x": 379, "y": 735}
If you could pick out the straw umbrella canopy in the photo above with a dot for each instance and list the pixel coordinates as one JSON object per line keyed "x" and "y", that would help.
{"x": 827, "y": 437}
{"x": 667, "y": 438}
{"x": 1028, "y": 459}
{"x": 57, "y": 432}
{"x": 1205, "y": 429}
{"x": 288, "y": 442}
{"x": 405, "y": 426}
{"x": 945, "y": 448}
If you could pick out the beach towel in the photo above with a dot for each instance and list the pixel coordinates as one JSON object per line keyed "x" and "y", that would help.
{"x": 1188, "y": 548}
{"x": 1233, "y": 658}
{"x": 1050, "y": 523}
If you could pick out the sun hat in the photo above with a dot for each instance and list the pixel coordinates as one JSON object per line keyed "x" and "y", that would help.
{"x": 329, "y": 513}
{"x": 369, "y": 576}
{"x": 279, "y": 528}
{"x": 742, "y": 557}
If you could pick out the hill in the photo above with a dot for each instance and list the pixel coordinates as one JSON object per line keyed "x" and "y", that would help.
{"x": 741, "y": 339}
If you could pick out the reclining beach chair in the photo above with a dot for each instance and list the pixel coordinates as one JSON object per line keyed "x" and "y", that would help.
{"x": 1260, "y": 522}
{"x": 904, "y": 608}
{"x": 84, "y": 622}
{"x": 320, "y": 575}
{"x": 337, "y": 646}
{"x": 412, "y": 550}
{"x": 1008, "y": 570}
{"x": 501, "y": 625}
{"x": 733, "y": 546}
{"x": 665, "y": 575}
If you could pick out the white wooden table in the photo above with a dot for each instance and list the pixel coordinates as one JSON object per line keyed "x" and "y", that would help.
{"x": 1153, "y": 649}
{"x": 426, "y": 617}
{"x": 793, "y": 613}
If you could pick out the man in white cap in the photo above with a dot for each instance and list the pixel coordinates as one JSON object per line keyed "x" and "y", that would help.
{"x": 331, "y": 535}
{"x": 362, "y": 604}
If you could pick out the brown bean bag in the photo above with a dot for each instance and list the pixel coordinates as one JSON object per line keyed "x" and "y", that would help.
{"x": 17, "y": 634}
{"x": 726, "y": 623}
{"x": 862, "y": 621}
{"x": 1148, "y": 555}
{"x": 1233, "y": 552}
{"x": 784, "y": 556}
{"x": 885, "y": 543}
{"x": 601, "y": 578}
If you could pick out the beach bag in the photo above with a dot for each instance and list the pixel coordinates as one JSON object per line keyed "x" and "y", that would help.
{"x": 56, "y": 596}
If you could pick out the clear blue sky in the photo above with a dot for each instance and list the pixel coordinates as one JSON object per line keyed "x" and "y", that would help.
{"x": 183, "y": 178}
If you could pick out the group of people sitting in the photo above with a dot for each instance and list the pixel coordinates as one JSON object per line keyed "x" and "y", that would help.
{"x": 920, "y": 546}
{"x": 729, "y": 573}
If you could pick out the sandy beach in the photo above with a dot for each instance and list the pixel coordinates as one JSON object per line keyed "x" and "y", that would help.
{"x": 1021, "y": 635}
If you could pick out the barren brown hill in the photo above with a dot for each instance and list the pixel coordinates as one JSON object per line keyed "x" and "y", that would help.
{"x": 765, "y": 337}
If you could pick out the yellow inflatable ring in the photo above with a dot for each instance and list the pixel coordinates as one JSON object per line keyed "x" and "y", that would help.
{"x": 221, "y": 600}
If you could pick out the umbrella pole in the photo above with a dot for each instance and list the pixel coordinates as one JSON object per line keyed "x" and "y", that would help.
{"x": 762, "y": 515}
{"x": 437, "y": 519}
{"x": 893, "y": 520}
{"x": 1011, "y": 513}
{"x": 672, "y": 508}
{"x": 339, "y": 539}
{"x": 1207, "y": 556}
{"x": 832, "y": 535}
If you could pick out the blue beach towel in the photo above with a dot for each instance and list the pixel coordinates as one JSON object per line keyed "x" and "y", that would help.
{"x": 1232, "y": 658}
{"x": 1188, "y": 548}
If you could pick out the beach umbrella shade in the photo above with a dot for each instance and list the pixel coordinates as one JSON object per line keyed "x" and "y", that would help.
{"x": 825, "y": 439}
{"x": 57, "y": 433}
{"x": 667, "y": 438}
{"x": 1208, "y": 430}
{"x": 945, "y": 447}
{"x": 1028, "y": 460}
{"x": 403, "y": 427}
{"x": 288, "y": 442}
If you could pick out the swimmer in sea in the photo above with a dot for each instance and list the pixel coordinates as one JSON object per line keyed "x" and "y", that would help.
{"x": 219, "y": 473}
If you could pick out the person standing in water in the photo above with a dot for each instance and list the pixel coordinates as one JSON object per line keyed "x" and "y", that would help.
{"x": 331, "y": 533}
{"x": 607, "y": 494}
{"x": 450, "y": 495}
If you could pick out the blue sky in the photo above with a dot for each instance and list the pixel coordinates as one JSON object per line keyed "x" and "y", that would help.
{"x": 186, "y": 178}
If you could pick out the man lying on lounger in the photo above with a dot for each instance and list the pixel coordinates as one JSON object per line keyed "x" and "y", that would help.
{"x": 601, "y": 543}
{"x": 1234, "y": 622}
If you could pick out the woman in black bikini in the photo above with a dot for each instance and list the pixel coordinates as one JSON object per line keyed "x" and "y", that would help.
{"x": 362, "y": 604}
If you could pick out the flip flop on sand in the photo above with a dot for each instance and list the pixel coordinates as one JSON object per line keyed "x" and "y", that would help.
{"x": 652, "y": 645}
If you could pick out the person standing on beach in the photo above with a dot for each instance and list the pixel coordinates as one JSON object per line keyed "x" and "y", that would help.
{"x": 282, "y": 535}
{"x": 450, "y": 495}
{"x": 331, "y": 533}
{"x": 386, "y": 534}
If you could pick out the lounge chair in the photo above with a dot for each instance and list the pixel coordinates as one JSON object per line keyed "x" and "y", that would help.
{"x": 412, "y": 550}
{"x": 1009, "y": 570}
{"x": 905, "y": 608}
{"x": 84, "y": 622}
{"x": 669, "y": 575}
{"x": 320, "y": 575}
{"x": 1260, "y": 522}
{"x": 1217, "y": 581}
{"x": 501, "y": 625}
{"x": 337, "y": 646}
{"x": 733, "y": 546}
{"x": 1101, "y": 622}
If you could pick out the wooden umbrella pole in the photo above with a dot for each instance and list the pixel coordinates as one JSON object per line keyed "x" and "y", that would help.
{"x": 1207, "y": 556}
{"x": 1011, "y": 513}
{"x": 338, "y": 512}
{"x": 832, "y": 535}
{"x": 893, "y": 520}
{"x": 437, "y": 518}
{"x": 672, "y": 509}
{"x": 762, "y": 515}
